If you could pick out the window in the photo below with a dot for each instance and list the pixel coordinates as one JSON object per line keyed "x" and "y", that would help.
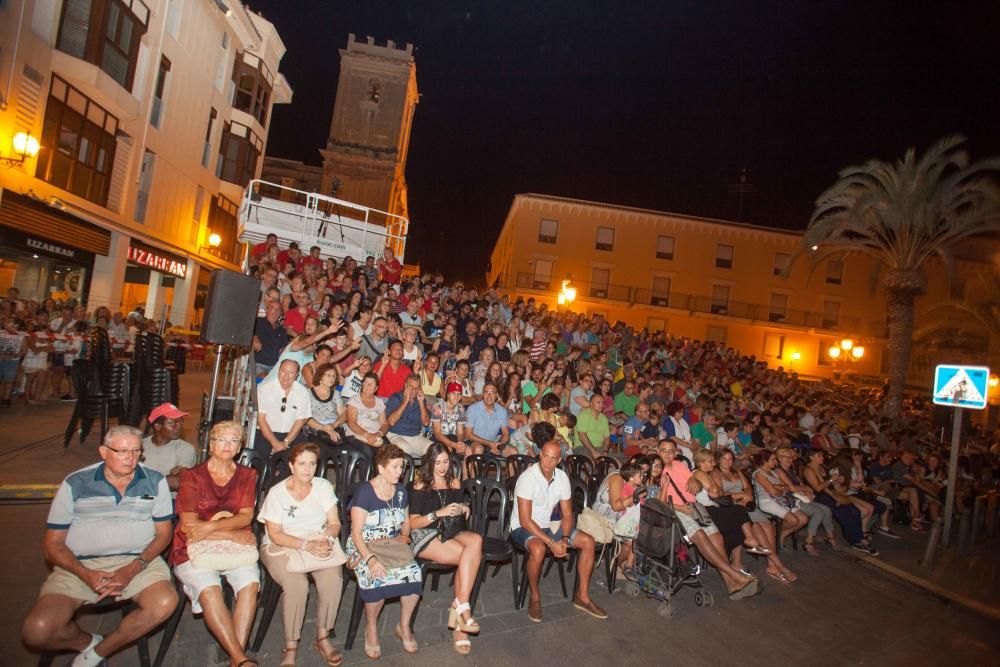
{"x": 724, "y": 256}
{"x": 661, "y": 291}
{"x": 655, "y": 324}
{"x": 105, "y": 33}
{"x": 720, "y": 300}
{"x": 156, "y": 108}
{"x": 834, "y": 272}
{"x": 774, "y": 346}
{"x": 831, "y": 314}
{"x": 548, "y": 231}
{"x": 599, "y": 279}
{"x": 77, "y": 149}
{"x": 716, "y": 334}
{"x": 823, "y": 357}
{"x": 543, "y": 274}
{"x": 238, "y": 153}
{"x": 253, "y": 85}
{"x": 605, "y": 238}
{"x": 664, "y": 247}
{"x": 778, "y": 309}
{"x": 145, "y": 185}
{"x": 781, "y": 263}
{"x": 222, "y": 221}
{"x": 206, "y": 151}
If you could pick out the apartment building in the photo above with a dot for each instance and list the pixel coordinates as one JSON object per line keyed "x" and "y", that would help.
{"x": 150, "y": 117}
{"x": 703, "y": 278}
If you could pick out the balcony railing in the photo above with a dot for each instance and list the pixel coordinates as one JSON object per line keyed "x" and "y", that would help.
{"x": 691, "y": 303}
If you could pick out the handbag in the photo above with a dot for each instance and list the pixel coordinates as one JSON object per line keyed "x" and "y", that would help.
{"x": 301, "y": 561}
{"x": 596, "y": 525}
{"x": 221, "y": 555}
{"x": 627, "y": 525}
{"x": 724, "y": 500}
{"x": 698, "y": 511}
{"x": 391, "y": 553}
{"x": 449, "y": 526}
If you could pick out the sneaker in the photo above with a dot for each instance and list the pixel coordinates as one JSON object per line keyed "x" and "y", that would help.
{"x": 746, "y": 572}
{"x": 535, "y": 611}
{"x": 888, "y": 532}
{"x": 866, "y": 549}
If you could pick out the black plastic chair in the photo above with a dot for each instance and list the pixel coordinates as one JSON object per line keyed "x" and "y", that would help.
{"x": 485, "y": 466}
{"x": 519, "y": 463}
{"x": 279, "y": 470}
{"x": 496, "y": 550}
{"x": 604, "y": 466}
{"x": 251, "y": 458}
{"x": 578, "y": 467}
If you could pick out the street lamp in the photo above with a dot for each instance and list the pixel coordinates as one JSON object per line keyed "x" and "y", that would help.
{"x": 567, "y": 294}
{"x": 846, "y": 352}
{"x": 214, "y": 240}
{"x": 25, "y": 146}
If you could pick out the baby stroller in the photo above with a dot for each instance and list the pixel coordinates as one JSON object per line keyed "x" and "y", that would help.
{"x": 663, "y": 564}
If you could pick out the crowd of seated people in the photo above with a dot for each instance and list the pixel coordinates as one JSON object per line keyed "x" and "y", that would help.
{"x": 421, "y": 373}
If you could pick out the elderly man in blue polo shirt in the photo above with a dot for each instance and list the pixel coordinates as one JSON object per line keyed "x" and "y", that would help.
{"x": 107, "y": 527}
{"x": 486, "y": 423}
{"x": 408, "y": 415}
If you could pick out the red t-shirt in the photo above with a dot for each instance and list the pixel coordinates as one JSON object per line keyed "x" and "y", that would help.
{"x": 259, "y": 250}
{"x": 296, "y": 320}
{"x": 309, "y": 259}
{"x": 200, "y": 495}
{"x": 392, "y": 381}
{"x": 391, "y": 271}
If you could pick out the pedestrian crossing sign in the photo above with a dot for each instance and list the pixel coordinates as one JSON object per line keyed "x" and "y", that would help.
{"x": 961, "y": 386}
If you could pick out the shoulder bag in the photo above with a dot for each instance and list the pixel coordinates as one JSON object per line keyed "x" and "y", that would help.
{"x": 596, "y": 525}
{"x": 300, "y": 560}
{"x": 221, "y": 555}
{"x": 698, "y": 511}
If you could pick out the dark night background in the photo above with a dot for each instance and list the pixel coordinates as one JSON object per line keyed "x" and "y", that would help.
{"x": 650, "y": 104}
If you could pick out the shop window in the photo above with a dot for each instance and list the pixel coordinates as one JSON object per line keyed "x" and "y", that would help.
{"x": 664, "y": 247}
{"x": 253, "y": 84}
{"x": 548, "y": 231}
{"x": 834, "y": 272}
{"x": 222, "y": 221}
{"x": 239, "y": 151}
{"x": 105, "y": 33}
{"x": 599, "y": 280}
{"x": 78, "y": 144}
{"x": 723, "y": 256}
{"x": 781, "y": 263}
{"x": 605, "y": 238}
{"x": 156, "y": 108}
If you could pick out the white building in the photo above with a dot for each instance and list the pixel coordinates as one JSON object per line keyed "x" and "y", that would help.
{"x": 151, "y": 116}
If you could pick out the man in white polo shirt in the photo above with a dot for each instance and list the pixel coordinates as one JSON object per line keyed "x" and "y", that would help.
{"x": 543, "y": 521}
{"x": 163, "y": 450}
{"x": 106, "y": 529}
{"x": 283, "y": 408}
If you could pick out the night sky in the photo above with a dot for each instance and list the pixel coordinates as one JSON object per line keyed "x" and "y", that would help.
{"x": 652, "y": 104}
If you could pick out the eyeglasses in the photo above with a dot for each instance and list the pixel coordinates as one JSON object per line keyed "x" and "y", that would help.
{"x": 228, "y": 441}
{"x": 284, "y": 403}
{"x": 125, "y": 453}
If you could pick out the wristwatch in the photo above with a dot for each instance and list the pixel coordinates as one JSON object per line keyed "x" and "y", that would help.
{"x": 432, "y": 517}
{"x": 142, "y": 562}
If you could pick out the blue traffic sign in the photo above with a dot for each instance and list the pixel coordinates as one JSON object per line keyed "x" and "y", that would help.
{"x": 961, "y": 386}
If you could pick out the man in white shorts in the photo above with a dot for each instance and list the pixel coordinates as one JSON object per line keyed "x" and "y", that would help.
{"x": 106, "y": 529}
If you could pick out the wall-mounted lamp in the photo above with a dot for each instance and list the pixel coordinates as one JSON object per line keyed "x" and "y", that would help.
{"x": 994, "y": 381}
{"x": 214, "y": 240}
{"x": 25, "y": 146}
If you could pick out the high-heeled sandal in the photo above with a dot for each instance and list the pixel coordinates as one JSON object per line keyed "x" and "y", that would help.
{"x": 455, "y": 618}
{"x": 373, "y": 651}
{"x": 333, "y": 658}
{"x": 285, "y": 662}
{"x": 462, "y": 646}
{"x": 409, "y": 645}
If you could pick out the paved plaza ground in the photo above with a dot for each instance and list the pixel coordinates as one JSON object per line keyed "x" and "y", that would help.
{"x": 842, "y": 611}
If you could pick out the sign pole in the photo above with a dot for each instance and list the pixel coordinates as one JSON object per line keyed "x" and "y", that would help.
{"x": 949, "y": 500}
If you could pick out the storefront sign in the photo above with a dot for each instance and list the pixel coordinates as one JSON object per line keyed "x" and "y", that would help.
{"x": 157, "y": 260}
{"x": 45, "y": 246}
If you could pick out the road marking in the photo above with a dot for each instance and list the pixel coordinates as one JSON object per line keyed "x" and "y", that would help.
{"x": 930, "y": 586}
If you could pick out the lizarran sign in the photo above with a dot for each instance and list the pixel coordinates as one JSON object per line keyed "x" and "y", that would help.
{"x": 157, "y": 260}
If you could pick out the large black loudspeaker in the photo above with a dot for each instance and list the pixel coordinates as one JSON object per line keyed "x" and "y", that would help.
{"x": 231, "y": 309}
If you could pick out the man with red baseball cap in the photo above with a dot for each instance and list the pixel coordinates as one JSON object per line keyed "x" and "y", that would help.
{"x": 163, "y": 450}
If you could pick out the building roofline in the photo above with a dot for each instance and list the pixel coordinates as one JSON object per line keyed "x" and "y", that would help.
{"x": 647, "y": 211}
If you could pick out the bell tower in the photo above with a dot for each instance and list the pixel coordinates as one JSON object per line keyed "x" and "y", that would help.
{"x": 365, "y": 155}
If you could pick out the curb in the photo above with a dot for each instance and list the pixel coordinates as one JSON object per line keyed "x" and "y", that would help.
{"x": 22, "y": 491}
{"x": 931, "y": 587}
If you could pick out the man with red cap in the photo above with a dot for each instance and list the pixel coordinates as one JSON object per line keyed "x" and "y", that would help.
{"x": 163, "y": 450}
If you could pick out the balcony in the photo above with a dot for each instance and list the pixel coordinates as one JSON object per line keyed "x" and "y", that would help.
{"x": 693, "y": 304}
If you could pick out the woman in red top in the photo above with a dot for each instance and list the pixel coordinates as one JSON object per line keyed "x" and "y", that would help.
{"x": 219, "y": 485}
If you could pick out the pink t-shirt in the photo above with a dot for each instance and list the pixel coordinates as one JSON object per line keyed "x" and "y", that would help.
{"x": 680, "y": 474}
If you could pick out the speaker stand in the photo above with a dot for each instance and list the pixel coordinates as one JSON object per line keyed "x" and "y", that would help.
{"x": 211, "y": 399}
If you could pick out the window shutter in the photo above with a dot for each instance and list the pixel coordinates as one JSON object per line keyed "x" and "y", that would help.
{"x": 75, "y": 25}
{"x": 119, "y": 174}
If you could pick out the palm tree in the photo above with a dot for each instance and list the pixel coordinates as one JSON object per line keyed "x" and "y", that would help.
{"x": 901, "y": 215}
{"x": 972, "y": 316}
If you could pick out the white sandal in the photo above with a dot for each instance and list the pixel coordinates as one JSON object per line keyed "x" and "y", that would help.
{"x": 455, "y": 618}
